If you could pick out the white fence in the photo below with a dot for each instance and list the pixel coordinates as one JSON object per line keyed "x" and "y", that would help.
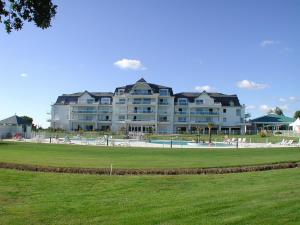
{"x": 286, "y": 133}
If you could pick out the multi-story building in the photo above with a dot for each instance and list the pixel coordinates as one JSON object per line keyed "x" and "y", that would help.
{"x": 146, "y": 107}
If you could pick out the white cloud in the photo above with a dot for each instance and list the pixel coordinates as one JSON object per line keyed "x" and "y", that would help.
{"x": 251, "y": 85}
{"x": 284, "y": 107}
{"x": 293, "y": 99}
{"x": 132, "y": 64}
{"x": 24, "y": 75}
{"x": 265, "y": 108}
{"x": 282, "y": 99}
{"x": 206, "y": 88}
{"x": 266, "y": 43}
{"x": 249, "y": 107}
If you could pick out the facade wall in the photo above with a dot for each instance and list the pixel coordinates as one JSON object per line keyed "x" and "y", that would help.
{"x": 143, "y": 110}
{"x": 12, "y": 130}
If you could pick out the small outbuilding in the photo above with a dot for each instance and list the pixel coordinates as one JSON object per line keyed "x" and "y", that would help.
{"x": 296, "y": 126}
{"x": 272, "y": 122}
{"x": 15, "y": 126}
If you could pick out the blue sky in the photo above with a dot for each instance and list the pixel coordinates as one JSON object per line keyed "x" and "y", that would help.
{"x": 249, "y": 48}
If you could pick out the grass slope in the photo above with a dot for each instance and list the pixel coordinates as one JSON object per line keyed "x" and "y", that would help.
{"x": 253, "y": 198}
{"x": 102, "y": 157}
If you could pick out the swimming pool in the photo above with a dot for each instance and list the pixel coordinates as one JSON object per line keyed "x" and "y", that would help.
{"x": 179, "y": 142}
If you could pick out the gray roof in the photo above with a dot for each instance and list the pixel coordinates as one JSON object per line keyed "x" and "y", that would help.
{"x": 273, "y": 118}
{"x": 14, "y": 120}
{"x": 218, "y": 97}
{"x": 155, "y": 87}
{"x": 65, "y": 99}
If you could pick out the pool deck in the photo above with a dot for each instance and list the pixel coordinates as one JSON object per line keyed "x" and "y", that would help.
{"x": 146, "y": 144}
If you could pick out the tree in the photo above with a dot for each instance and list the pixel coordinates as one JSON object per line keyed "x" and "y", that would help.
{"x": 13, "y": 13}
{"x": 29, "y": 120}
{"x": 297, "y": 114}
{"x": 277, "y": 111}
{"x": 247, "y": 116}
{"x": 210, "y": 126}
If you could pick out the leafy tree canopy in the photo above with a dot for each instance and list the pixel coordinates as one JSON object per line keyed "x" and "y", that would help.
{"x": 13, "y": 13}
{"x": 277, "y": 111}
{"x": 297, "y": 114}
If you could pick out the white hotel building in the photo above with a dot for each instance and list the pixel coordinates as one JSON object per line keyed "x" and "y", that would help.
{"x": 146, "y": 107}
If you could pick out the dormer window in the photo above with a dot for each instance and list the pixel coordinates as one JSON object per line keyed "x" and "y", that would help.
{"x": 89, "y": 101}
{"x": 121, "y": 91}
{"x": 164, "y": 92}
{"x": 105, "y": 101}
{"x": 142, "y": 92}
{"x": 199, "y": 101}
{"x": 231, "y": 103}
{"x": 182, "y": 101}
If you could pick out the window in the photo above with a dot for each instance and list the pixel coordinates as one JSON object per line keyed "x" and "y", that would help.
{"x": 224, "y": 110}
{"x": 224, "y": 119}
{"x": 163, "y": 119}
{"x": 121, "y": 101}
{"x": 105, "y": 101}
{"x": 199, "y": 101}
{"x": 142, "y": 92}
{"x": 147, "y": 101}
{"x": 238, "y": 112}
{"x": 121, "y": 117}
{"x": 182, "y": 101}
{"x": 163, "y": 92}
{"x": 231, "y": 103}
{"x": 90, "y": 101}
{"x": 120, "y": 91}
{"x": 182, "y": 119}
{"x": 163, "y": 101}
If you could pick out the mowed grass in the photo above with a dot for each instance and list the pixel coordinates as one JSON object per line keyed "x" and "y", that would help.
{"x": 103, "y": 157}
{"x": 271, "y": 197}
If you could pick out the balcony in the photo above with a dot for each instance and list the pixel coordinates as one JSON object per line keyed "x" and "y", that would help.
{"x": 142, "y": 111}
{"x": 163, "y": 121}
{"x": 182, "y": 121}
{"x": 181, "y": 113}
{"x": 104, "y": 120}
{"x": 84, "y": 111}
{"x": 204, "y": 113}
{"x": 202, "y": 121}
{"x": 163, "y": 103}
{"x": 105, "y": 111}
{"x": 142, "y": 102}
{"x": 181, "y": 103}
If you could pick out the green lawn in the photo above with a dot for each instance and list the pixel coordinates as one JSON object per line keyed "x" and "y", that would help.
{"x": 271, "y": 197}
{"x": 102, "y": 157}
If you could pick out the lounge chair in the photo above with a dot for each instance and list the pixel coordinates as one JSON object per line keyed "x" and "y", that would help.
{"x": 290, "y": 142}
{"x": 283, "y": 142}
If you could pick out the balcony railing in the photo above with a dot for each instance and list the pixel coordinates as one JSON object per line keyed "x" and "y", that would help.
{"x": 163, "y": 103}
{"x": 204, "y": 113}
{"x": 201, "y": 121}
{"x": 181, "y": 103}
{"x": 181, "y": 112}
{"x": 163, "y": 121}
{"x": 105, "y": 111}
{"x": 181, "y": 121}
{"x": 142, "y": 111}
{"x": 142, "y": 102}
{"x": 84, "y": 111}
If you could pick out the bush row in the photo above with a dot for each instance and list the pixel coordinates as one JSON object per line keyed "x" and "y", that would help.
{"x": 169, "y": 171}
